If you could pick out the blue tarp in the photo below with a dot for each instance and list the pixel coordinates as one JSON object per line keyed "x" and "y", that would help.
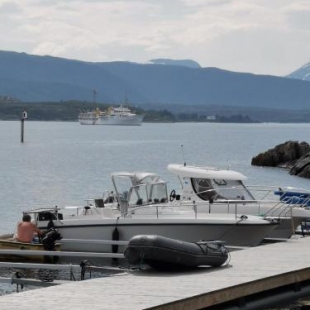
{"x": 294, "y": 197}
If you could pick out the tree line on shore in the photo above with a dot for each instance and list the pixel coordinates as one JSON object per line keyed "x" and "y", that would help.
{"x": 69, "y": 110}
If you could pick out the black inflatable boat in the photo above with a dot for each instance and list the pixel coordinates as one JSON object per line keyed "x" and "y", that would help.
{"x": 165, "y": 253}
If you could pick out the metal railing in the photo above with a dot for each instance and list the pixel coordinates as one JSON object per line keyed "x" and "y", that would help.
{"x": 277, "y": 206}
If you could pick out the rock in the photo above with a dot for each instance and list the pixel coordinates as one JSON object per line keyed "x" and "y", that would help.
{"x": 291, "y": 154}
{"x": 283, "y": 155}
{"x": 302, "y": 167}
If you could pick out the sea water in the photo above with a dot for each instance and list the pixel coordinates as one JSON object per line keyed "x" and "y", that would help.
{"x": 64, "y": 163}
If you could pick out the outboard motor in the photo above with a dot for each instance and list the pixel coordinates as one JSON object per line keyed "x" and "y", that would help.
{"x": 49, "y": 238}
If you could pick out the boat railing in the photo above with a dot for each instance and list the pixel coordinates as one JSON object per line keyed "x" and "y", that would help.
{"x": 235, "y": 194}
{"x": 158, "y": 209}
{"x": 294, "y": 203}
{"x": 288, "y": 198}
{"x": 278, "y": 191}
{"x": 279, "y": 209}
{"x": 280, "y": 202}
{"x": 89, "y": 208}
{"x": 268, "y": 196}
{"x": 232, "y": 205}
{"x": 190, "y": 205}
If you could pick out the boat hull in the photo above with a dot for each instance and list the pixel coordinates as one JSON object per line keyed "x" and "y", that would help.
{"x": 15, "y": 245}
{"x": 114, "y": 120}
{"x": 235, "y": 233}
{"x": 165, "y": 253}
{"x": 289, "y": 219}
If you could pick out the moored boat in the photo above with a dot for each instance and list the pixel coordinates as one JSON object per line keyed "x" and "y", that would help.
{"x": 48, "y": 242}
{"x": 166, "y": 254}
{"x": 113, "y": 116}
{"x": 224, "y": 191}
{"x": 142, "y": 207}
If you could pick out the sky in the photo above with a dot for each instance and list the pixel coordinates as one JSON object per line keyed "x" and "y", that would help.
{"x": 257, "y": 36}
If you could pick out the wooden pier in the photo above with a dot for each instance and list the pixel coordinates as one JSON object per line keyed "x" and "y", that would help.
{"x": 255, "y": 278}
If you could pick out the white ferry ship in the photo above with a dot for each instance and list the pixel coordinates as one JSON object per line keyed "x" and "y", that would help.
{"x": 112, "y": 116}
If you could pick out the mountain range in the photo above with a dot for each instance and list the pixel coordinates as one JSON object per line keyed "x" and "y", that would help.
{"x": 302, "y": 73}
{"x": 159, "y": 83}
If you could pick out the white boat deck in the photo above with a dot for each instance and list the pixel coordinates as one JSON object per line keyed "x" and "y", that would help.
{"x": 249, "y": 271}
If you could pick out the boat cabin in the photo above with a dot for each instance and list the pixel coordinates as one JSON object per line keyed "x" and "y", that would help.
{"x": 210, "y": 184}
{"x": 45, "y": 216}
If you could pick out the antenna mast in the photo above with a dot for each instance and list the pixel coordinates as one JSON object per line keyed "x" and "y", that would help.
{"x": 184, "y": 163}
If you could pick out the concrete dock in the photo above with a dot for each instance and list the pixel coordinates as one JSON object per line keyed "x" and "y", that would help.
{"x": 265, "y": 275}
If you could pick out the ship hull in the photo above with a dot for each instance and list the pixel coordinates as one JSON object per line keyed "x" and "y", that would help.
{"x": 113, "y": 120}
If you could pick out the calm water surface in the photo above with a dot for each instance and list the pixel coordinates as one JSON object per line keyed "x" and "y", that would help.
{"x": 64, "y": 163}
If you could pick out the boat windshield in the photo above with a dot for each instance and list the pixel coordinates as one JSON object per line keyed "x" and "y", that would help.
{"x": 158, "y": 192}
{"x": 139, "y": 188}
{"x": 147, "y": 194}
{"x": 138, "y": 195}
{"x": 213, "y": 189}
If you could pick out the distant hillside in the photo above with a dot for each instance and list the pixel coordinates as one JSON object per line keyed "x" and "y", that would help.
{"x": 184, "y": 63}
{"x": 302, "y": 73}
{"x": 37, "y": 79}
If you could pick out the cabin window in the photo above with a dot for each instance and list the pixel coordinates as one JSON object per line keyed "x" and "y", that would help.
{"x": 203, "y": 188}
{"x": 220, "y": 182}
{"x": 231, "y": 190}
{"x": 46, "y": 216}
{"x": 218, "y": 189}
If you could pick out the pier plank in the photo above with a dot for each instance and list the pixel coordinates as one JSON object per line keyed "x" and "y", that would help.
{"x": 249, "y": 271}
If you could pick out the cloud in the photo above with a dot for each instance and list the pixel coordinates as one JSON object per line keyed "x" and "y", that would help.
{"x": 299, "y": 19}
{"x": 9, "y": 7}
{"x": 259, "y": 36}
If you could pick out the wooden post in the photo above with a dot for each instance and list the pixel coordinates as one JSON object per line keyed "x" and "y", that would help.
{"x": 24, "y": 117}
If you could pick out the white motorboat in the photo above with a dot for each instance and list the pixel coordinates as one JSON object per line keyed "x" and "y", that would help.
{"x": 142, "y": 207}
{"x": 113, "y": 116}
{"x": 223, "y": 191}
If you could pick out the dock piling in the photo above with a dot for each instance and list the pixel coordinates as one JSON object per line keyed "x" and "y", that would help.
{"x": 24, "y": 117}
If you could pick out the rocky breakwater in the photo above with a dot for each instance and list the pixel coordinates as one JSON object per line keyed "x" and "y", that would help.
{"x": 292, "y": 155}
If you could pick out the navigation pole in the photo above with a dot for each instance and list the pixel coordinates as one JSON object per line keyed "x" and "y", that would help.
{"x": 24, "y": 117}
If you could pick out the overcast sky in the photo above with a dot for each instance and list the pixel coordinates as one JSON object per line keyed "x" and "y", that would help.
{"x": 257, "y": 36}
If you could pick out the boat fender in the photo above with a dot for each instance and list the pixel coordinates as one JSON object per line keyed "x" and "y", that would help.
{"x": 115, "y": 237}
